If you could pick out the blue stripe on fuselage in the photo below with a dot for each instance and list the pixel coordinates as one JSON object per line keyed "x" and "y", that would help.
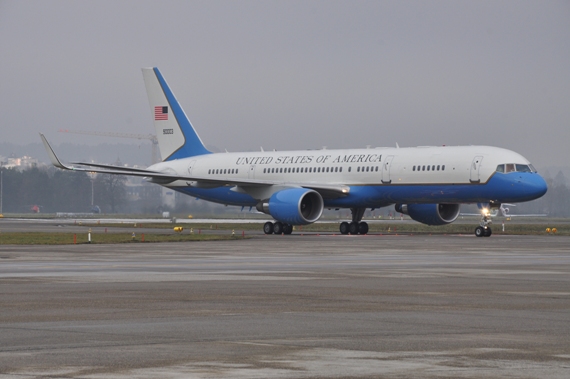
{"x": 512, "y": 188}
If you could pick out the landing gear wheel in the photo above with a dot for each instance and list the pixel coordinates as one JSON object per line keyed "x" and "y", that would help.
{"x": 353, "y": 228}
{"x": 488, "y": 232}
{"x": 363, "y": 228}
{"x": 278, "y": 228}
{"x": 479, "y": 231}
{"x": 287, "y": 228}
{"x": 268, "y": 227}
{"x": 344, "y": 227}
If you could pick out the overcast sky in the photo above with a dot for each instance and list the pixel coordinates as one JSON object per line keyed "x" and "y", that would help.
{"x": 295, "y": 75}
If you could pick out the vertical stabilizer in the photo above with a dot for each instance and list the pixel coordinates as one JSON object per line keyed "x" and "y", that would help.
{"x": 176, "y": 135}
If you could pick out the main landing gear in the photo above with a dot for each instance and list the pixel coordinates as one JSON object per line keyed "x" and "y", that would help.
{"x": 356, "y": 226}
{"x": 278, "y": 228}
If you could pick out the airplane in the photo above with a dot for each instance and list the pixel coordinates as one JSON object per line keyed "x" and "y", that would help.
{"x": 294, "y": 187}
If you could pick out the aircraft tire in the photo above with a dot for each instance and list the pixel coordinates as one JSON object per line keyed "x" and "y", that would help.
{"x": 344, "y": 227}
{"x": 268, "y": 227}
{"x": 287, "y": 228}
{"x": 363, "y": 228}
{"x": 488, "y": 232}
{"x": 353, "y": 228}
{"x": 278, "y": 227}
{"x": 479, "y": 231}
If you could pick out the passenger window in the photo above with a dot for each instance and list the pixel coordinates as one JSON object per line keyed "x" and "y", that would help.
{"x": 442, "y": 167}
{"x": 349, "y": 169}
{"x": 376, "y": 168}
{"x": 423, "y": 168}
{"x": 428, "y": 167}
{"x": 509, "y": 167}
{"x": 414, "y": 168}
{"x": 433, "y": 168}
{"x": 358, "y": 169}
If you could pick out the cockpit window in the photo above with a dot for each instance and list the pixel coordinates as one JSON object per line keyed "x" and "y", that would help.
{"x": 523, "y": 168}
{"x": 512, "y": 167}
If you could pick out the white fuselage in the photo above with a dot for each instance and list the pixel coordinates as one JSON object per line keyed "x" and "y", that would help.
{"x": 354, "y": 167}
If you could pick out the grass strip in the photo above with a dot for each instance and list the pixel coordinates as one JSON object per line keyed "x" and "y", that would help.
{"x": 374, "y": 228}
{"x": 41, "y": 238}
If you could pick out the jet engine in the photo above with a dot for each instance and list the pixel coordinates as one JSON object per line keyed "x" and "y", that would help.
{"x": 295, "y": 206}
{"x": 430, "y": 214}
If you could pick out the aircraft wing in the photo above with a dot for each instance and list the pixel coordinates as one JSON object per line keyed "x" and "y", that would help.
{"x": 326, "y": 190}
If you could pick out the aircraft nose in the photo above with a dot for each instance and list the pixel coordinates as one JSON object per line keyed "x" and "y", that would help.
{"x": 536, "y": 185}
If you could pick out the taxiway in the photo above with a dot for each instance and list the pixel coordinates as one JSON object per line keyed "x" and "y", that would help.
{"x": 289, "y": 307}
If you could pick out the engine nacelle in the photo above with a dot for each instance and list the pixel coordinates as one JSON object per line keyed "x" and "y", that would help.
{"x": 430, "y": 214}
{"x": 295, "y": 206}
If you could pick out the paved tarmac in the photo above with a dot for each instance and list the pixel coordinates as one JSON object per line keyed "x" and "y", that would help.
{"x": 289, "y": 307}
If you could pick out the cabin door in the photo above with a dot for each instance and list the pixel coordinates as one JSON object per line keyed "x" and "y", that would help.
{"x": 475, "y": 166}
{"x": 191, "y": 166}
{"x": 251, "y": 172}
{"x": 386, "y": 169}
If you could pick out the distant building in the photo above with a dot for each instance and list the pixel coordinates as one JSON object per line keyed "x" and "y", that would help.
{"x": 21, "y": 163}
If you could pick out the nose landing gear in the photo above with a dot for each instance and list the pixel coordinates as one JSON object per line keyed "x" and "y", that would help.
{"x": 484, "y": 230}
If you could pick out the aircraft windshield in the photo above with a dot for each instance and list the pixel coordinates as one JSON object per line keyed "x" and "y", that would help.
{"x": 512, "y": 167}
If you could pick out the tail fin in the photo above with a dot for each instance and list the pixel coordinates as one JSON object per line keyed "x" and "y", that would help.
{"x": 176, "y": 135}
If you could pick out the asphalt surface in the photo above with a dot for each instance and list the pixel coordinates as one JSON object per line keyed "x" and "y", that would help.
{"x": 289, "y": 307}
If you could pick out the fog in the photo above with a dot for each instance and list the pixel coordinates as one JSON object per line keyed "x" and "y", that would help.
{"x": 294, "y": 75}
